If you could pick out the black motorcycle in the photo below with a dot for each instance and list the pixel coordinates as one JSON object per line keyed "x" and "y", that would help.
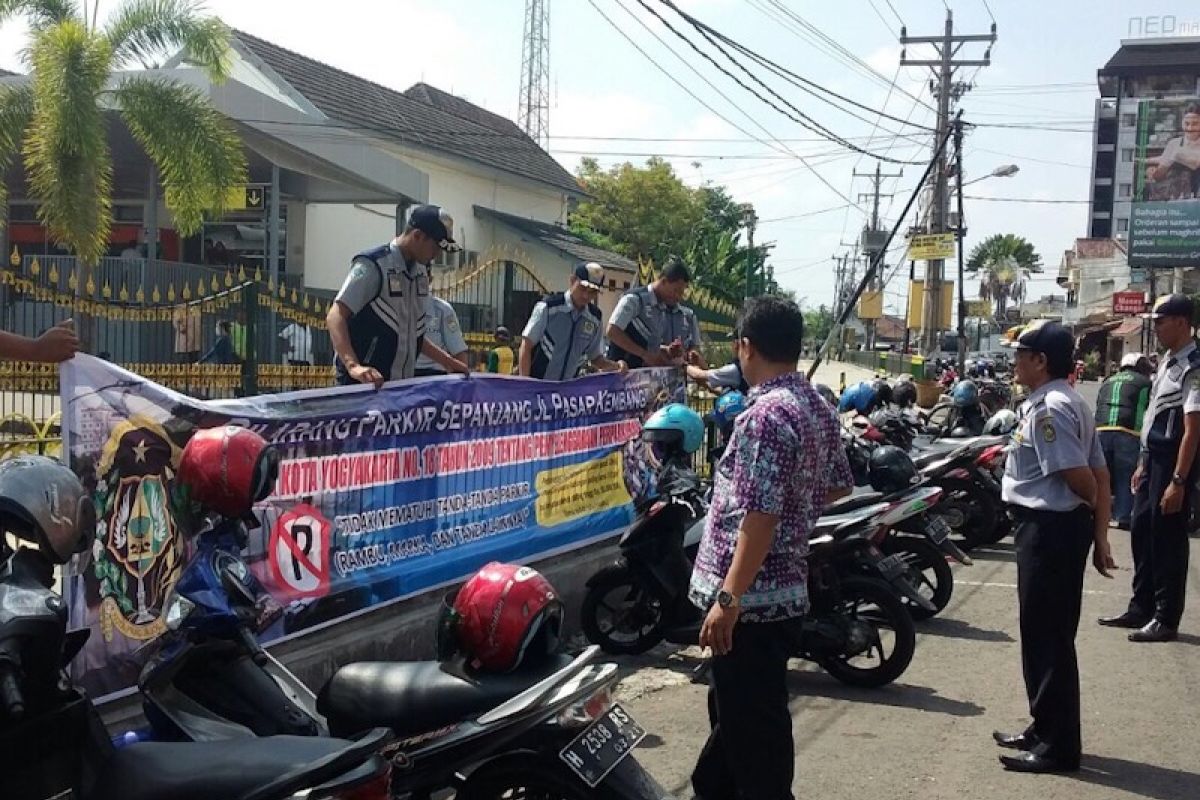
{"x": 858, "y": 629}
{"x": 971, "y": 504}
{"x": 53, "y": 744}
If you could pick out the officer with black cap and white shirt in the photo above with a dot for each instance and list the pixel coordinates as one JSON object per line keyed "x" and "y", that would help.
{"x": 377, "y": 322}
{"x": 1164, "y": 480}
{"x": 1056, "y": 488}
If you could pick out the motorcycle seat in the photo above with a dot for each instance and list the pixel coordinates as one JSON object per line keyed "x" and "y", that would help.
{"x": 852, "y": 503}
{"x": 412, "y": 697}
{"x": 234, "y": 769}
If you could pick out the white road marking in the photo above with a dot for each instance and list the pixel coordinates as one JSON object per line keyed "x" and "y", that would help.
{"x": 994, "y": 585}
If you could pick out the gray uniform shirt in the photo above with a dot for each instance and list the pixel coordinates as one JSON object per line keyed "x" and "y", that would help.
{"x": 726, "y": 377}
{"x": 395, "y": 295}
{"x": 442, "y": 329}
{"x": 1056, "y": 432}
{"x": 1176, "y": 385}
{"x": 565, "y": 338}
{"x": 658, "y": 323}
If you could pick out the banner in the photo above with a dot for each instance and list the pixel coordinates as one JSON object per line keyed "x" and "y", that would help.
{"x": 1164, "y": 223}
{"x": 381, "y": 494}
{"x": 931, "y": 246}
{"x": 1129, "y": 302}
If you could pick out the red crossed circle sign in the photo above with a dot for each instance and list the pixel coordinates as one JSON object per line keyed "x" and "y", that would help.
{"x": 299, "y": 552}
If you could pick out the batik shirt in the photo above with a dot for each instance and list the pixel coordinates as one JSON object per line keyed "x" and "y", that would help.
{"x": 785, "y": 453}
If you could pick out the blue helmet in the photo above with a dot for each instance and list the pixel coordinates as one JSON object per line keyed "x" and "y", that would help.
{"x": 965, "y": 394}
{"x": 728, "y": 407}
{"x": 860, "y": 397}
{"x": 675, "y": 427}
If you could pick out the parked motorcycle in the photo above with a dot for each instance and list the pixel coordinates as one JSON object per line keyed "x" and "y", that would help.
{"x": 551, "y": 730}
{"x": 51, "y": 737}
{"x": 971, "y": 504}
{"x": 854, "y": 589}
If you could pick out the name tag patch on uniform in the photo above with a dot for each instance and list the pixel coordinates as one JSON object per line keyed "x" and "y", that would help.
{"x": 589, "y": 327}
{"x": 395, "y": 283}
{"x": 1046, "y": 426}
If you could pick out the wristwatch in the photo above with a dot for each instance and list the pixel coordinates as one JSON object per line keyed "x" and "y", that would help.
{"x": 1177, "y": 479}
{"x": 727, "y": 599}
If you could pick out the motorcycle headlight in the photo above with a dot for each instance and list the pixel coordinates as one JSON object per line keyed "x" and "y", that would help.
{"x": 177, "y": 610}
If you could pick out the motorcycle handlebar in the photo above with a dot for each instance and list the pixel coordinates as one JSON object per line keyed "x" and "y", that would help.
{"x": 11, "y": 698}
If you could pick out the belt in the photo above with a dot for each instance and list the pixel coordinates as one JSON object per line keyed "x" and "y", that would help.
{"x": 1021, "y": 513}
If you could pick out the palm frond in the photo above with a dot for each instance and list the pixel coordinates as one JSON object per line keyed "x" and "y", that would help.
{"x": 40, "y": 13}
{"x": 16, "y": 108}
{"x": 66, "y": 151}
{"x": 199, "y": 156}
{"x": 147, "y": 29}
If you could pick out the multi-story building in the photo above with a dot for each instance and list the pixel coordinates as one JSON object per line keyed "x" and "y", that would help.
{"x": 1142, "y": 69}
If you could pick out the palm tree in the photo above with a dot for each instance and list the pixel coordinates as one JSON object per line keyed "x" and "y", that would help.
{"x": 58, "y": 120}
{"x": 1004, "y": 263}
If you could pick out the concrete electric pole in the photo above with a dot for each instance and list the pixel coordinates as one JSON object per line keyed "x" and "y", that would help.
{"x": 947, "y": 46}
{"x": 872, "y": 237}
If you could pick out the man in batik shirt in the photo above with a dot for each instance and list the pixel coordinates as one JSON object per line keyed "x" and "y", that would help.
{"x": 784, "y": 463}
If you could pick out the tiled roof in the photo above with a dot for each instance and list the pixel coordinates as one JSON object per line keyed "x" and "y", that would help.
{"x": 1150, "y": 58}
{"x": 560, "y": 239}
{"x": 423, "y": 117}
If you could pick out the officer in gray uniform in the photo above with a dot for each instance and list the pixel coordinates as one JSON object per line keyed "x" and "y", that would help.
{"x": 377, "y": 321}
{"x": 563, "y": 334}
{"x": 1056, "y": 487}
{"x": 442, "y": 329}
{"x": 1164, "y": 482}
{"x": 650, "y": 327}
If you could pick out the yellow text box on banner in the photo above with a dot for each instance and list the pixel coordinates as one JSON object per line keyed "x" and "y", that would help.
{"x": 931, "y": 246}
{"x": 916, "y": 304}
{"x": 870, "y": 306}
{"x": 568, "y": 493}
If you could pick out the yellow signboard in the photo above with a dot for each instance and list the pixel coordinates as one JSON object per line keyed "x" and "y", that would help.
{"x": 870, "y": 305}
{"x": 245, "y": 198}
{"x": 931, "y": 246}
{"x": 916, "y": 304}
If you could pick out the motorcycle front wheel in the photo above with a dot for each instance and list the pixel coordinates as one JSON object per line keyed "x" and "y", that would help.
{"x": 873, "y": 601}
{"x": 619, "y": 615}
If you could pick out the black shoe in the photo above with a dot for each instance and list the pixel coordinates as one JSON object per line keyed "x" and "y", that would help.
{"x": 1014, "y": 741}
{"x": 1154, "y": 631}
{"x": 1126, "y": 620}
{"x": 1032, "y": 762}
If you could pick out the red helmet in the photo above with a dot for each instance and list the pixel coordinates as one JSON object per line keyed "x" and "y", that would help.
{"x": 228, "y": 469}
{"x": 505, "y": 614}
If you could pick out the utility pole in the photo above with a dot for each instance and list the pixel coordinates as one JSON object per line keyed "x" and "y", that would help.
{"x": 960, "y": 232}
{"x": 872, "y": 237}
{"x": 750, "y": 221}
{"x": 947, "y": 46}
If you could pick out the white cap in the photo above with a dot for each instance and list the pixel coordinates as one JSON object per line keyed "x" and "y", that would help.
{"x": 1131, "y": 359}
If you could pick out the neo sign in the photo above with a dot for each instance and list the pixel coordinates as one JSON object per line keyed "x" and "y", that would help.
{"x": 1129, "y": 302}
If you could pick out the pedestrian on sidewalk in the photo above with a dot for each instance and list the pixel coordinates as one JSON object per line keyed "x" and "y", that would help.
{"x": 1120, "y": 405}
{"x": 500, "y": 358}
{"x": 1163, "y": 484}
{"x": 1056, "y": 488}
{"x": 783, "y": 463}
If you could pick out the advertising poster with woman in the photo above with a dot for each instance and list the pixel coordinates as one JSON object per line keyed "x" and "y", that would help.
{"x": 1165, "y": 223}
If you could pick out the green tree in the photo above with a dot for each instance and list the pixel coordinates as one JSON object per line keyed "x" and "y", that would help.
{"x": 1004, "y": 263}
{"x": 59, "y": 120}
{"x": 818, "y": 323}
{"x": 648, "y": 213}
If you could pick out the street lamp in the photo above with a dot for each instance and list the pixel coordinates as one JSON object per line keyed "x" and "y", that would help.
{"x": 1004, "y": 171}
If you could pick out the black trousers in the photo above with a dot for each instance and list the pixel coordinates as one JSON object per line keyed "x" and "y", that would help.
{"x": 1052, "y": 554}
{"x": 749, "y": 753}
{"x": 1160, "y": 547}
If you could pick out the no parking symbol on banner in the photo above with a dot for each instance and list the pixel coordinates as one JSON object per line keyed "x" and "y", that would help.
{"x": 299, "y": 552}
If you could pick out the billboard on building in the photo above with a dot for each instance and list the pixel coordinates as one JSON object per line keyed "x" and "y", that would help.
{"x": 1164, "y": 227}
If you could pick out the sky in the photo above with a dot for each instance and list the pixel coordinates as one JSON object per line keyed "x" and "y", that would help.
{"x": 613, "y": 102}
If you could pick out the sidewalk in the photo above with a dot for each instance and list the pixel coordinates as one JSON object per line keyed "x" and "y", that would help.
{"x": 830, "y": 373}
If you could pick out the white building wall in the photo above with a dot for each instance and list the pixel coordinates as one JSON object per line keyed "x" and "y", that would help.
{"x": 335, "y": 232}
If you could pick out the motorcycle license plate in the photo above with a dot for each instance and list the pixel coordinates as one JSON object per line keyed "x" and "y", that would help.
{"x": 938, "y": 529}
{"x": 602, "y": 745}
{"x": 893, "y": 566}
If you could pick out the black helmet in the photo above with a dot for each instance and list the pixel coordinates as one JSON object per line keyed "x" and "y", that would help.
{"x": 891, "y": 470}
{"x": 43, "y": 502}
{"x": 905, "y": 394}
{"x": 883, "y": 392}
{"x": 826, "y": 394}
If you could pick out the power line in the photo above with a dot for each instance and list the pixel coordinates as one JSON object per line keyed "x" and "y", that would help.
{"x": 795, "y": 79}
{"x": 1023, "y": 200}
{"x": 798, "y": 116}
{"x": 697, "y": 98}
{"x": 879, "y": 14}
{"x": 800, "y": 216}
{"x": 989, "y": 10}
{"x": 894, "y": 11}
